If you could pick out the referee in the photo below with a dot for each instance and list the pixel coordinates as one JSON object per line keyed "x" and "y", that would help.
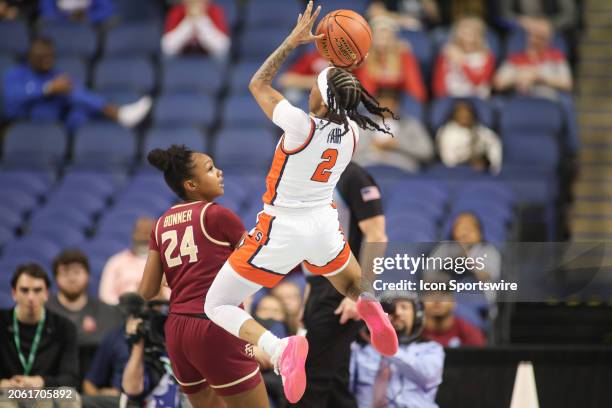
{"x": 330, "y": 318}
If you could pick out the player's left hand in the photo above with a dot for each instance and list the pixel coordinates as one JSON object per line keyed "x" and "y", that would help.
{"x": 347, "y": 311}
{"x": 302, "y": 33}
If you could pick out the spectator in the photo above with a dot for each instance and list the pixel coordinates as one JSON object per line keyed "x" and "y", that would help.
{"x": 271, "y": 313}
{"x": 464, "y": 140}
{"x": 102, "y": 383}
{"x": 410, "y": 378}
{"x": 408, "y": 149}
{"x": 298, "y": 80}
{"x": 92, "y": 317}
{"x": 390, "y": 62}
{"x": 91, "y": 11}
{"x": 467, "y": 241}
{"x": 196, "y": 26}
{"x": 541, "y": 71}
{"x": 123, "y": 271}
{"x": 291, "y": 295}
{"x": 441, "y": 324}
{"x": 38, "y": 347}
{"x": 14, "y": 9}
{"x": 453, "y": 10}
{"x": 466, "y": 65}
{"x": 523, "y": 13}
{"x": 409, "y": 14}
{"x": 38, "y": 91}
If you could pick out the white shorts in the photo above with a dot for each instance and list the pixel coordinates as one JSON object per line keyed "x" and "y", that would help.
{"x": 284, "y": 237}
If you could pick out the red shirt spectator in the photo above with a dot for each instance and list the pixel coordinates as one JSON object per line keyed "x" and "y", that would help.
{"x": 196, "y": 26}
{"x": 390, "y": 62}
{"x": 460, "y": 333}
{"x": 465, "y": 66}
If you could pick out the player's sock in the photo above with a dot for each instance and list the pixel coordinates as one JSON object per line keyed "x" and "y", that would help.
{"x": 269, "y": 343}
{"x": 289, "y": 360}
{"x": 382, "y": 333}
{"x": 132, "y": 114}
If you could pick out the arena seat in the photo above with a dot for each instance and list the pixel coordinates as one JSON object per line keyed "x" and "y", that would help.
{"x": 10, "y": 217}
{"x": 34, "y": 146}
{"x": 147, "y": 181}
{"x": 102, "y": 248}
{"x": 152, "y": 203}
{"x": 133, "y": 39}
{"x": 164, "y": 137}
{"x": 441, "y": 109}
{"x": 120, "y": 97}
{"x": 411, "y": 107}
{"x": 71, "y": 39}
{"x": 243, "y": 111}
{"x": 516, "y": 42}
{"x": 259, "y": 13}
{"x": 64, "y": 235}
{"x": 192, "y": 74}
{"x": 58, "y": 212}
{"x": 184, "y": 109}
{"x": 411, "y": 203}
{"x": 104, "y": 146}
{"x": 522, "y": 114}
{"x": 230, "y": 9}
{"x": 74, "y": 67}
{"x": 422, "y": 48}
{"x": 124, "y": 74}
{"x": 32, "y": 182}
{"x": 359, "y": 6}
{"x": 14, "y": 38}
{"x": 259, "y": 43}
{"x": 532, "y": 150}
{"x": 139, "y": 10}
{"x": 18, "y": 200}
{"x": 246, "y": 150}
{"x": 77, "y": 201}
{"x": 6, "y": 234}
{"x": 241, "y": 76}
{"x": 33, "y": 249}
{"x": 98, "y": 184}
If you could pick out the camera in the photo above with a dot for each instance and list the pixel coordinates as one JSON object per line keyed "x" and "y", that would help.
{"x": 151, "y": 329}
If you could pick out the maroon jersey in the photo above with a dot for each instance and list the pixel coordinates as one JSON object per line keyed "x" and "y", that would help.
{"x": 193, "y": 241}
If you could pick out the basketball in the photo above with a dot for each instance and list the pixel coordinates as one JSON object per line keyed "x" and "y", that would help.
{"x": 347, "y": 38}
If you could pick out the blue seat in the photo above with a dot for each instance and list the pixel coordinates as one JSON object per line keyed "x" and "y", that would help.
{"x": 534, "y": 150}
{"x": 360, "y": 6}
{"x": 6, "y": 234}
{"x": 422, "y": 48}
{"x": 33, "y": 248}
{"x": 33, "y": 183}
{"x": 119, "y": 97}
{"x": 266, "y": 13}
{"x": 18, "y": 200}
{"x": 102, "y": 248}
{"x": 259, "y": 43}
{"x": 10, "y": 217}
{"x": 244, "y": 149}
{"x": 441, "y": 110}
{"x": 243, "y": 111}
{"x": 430, "y": 191}
{"x": 14, "y": 38}
{"x": 164, "y": 137}
{"x": 230, "y": 9}
{"x": 133, "y": 39}
{"x": 149, "y": 182}
{"x": 124, "y": 74}
{"x": 192, "y": 74}
{"x": 184, "y": 109}
{"x": 77, "y": 201}
{"x": 411, "y": 107}
{"x": 71, "y": 39}
{"x": 66, "y": 236}
{"x": 35, "y": 146}
{"x": 414, "y": 204}
{"x": 74, "y": 67}
{"x": 97, "y": 184}
{"x": 530, "y": 115}
{"x": 241, "y": 76}
{"x": 139, "y": 10}
{"x": 152, "y": 203}
{"x": 104, "y": 146}
{"x": 76, "y": 218}
{"x": 494, "y": 190}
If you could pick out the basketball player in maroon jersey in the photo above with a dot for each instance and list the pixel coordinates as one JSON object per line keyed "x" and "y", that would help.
{"x": 189, "y": 244}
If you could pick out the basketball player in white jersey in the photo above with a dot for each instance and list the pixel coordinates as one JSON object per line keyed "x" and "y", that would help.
{"x": 299, "y": 222}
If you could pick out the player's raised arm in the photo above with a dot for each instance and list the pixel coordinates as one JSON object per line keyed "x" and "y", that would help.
{"x": 261, "y": 84}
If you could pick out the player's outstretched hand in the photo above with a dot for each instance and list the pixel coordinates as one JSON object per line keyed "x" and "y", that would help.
{"x": 302, "y": 33}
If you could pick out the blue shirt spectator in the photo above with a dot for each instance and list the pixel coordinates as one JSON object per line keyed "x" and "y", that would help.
{"x": 106, "y": 369}
{"x": 38, "y": 91}
{"x": 93, "y": 11}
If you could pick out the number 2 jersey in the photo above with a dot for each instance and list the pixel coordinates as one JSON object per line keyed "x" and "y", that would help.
{"x": 309, "y": 158}
{"x": 193, "y": 241}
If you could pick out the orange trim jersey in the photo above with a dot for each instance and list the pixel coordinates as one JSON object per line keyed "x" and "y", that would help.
{"x": 309, "y": 159}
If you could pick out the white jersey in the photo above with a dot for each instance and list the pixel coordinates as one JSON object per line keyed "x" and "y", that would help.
{"x": 309, "y": 158}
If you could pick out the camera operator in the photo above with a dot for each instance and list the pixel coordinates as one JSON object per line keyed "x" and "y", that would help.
{"x": 147, "y": 377}
{"x": 410, "y": 378}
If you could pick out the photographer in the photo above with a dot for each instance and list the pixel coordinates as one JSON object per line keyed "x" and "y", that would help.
{"x": 410, "y": 378}
{"x": 147, "y": 378}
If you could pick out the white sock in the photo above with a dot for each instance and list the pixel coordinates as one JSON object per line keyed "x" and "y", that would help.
{"x": 268, "y": 342}
{"x": 132, "y": 114}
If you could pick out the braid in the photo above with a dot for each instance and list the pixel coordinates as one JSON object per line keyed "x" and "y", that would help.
{"x": 344, "y": 95}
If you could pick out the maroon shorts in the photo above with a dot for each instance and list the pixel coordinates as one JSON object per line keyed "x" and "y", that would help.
{"x": 203, "y": 354}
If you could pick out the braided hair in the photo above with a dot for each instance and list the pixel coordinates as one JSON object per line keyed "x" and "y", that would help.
{"x": 344, "y": 94}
